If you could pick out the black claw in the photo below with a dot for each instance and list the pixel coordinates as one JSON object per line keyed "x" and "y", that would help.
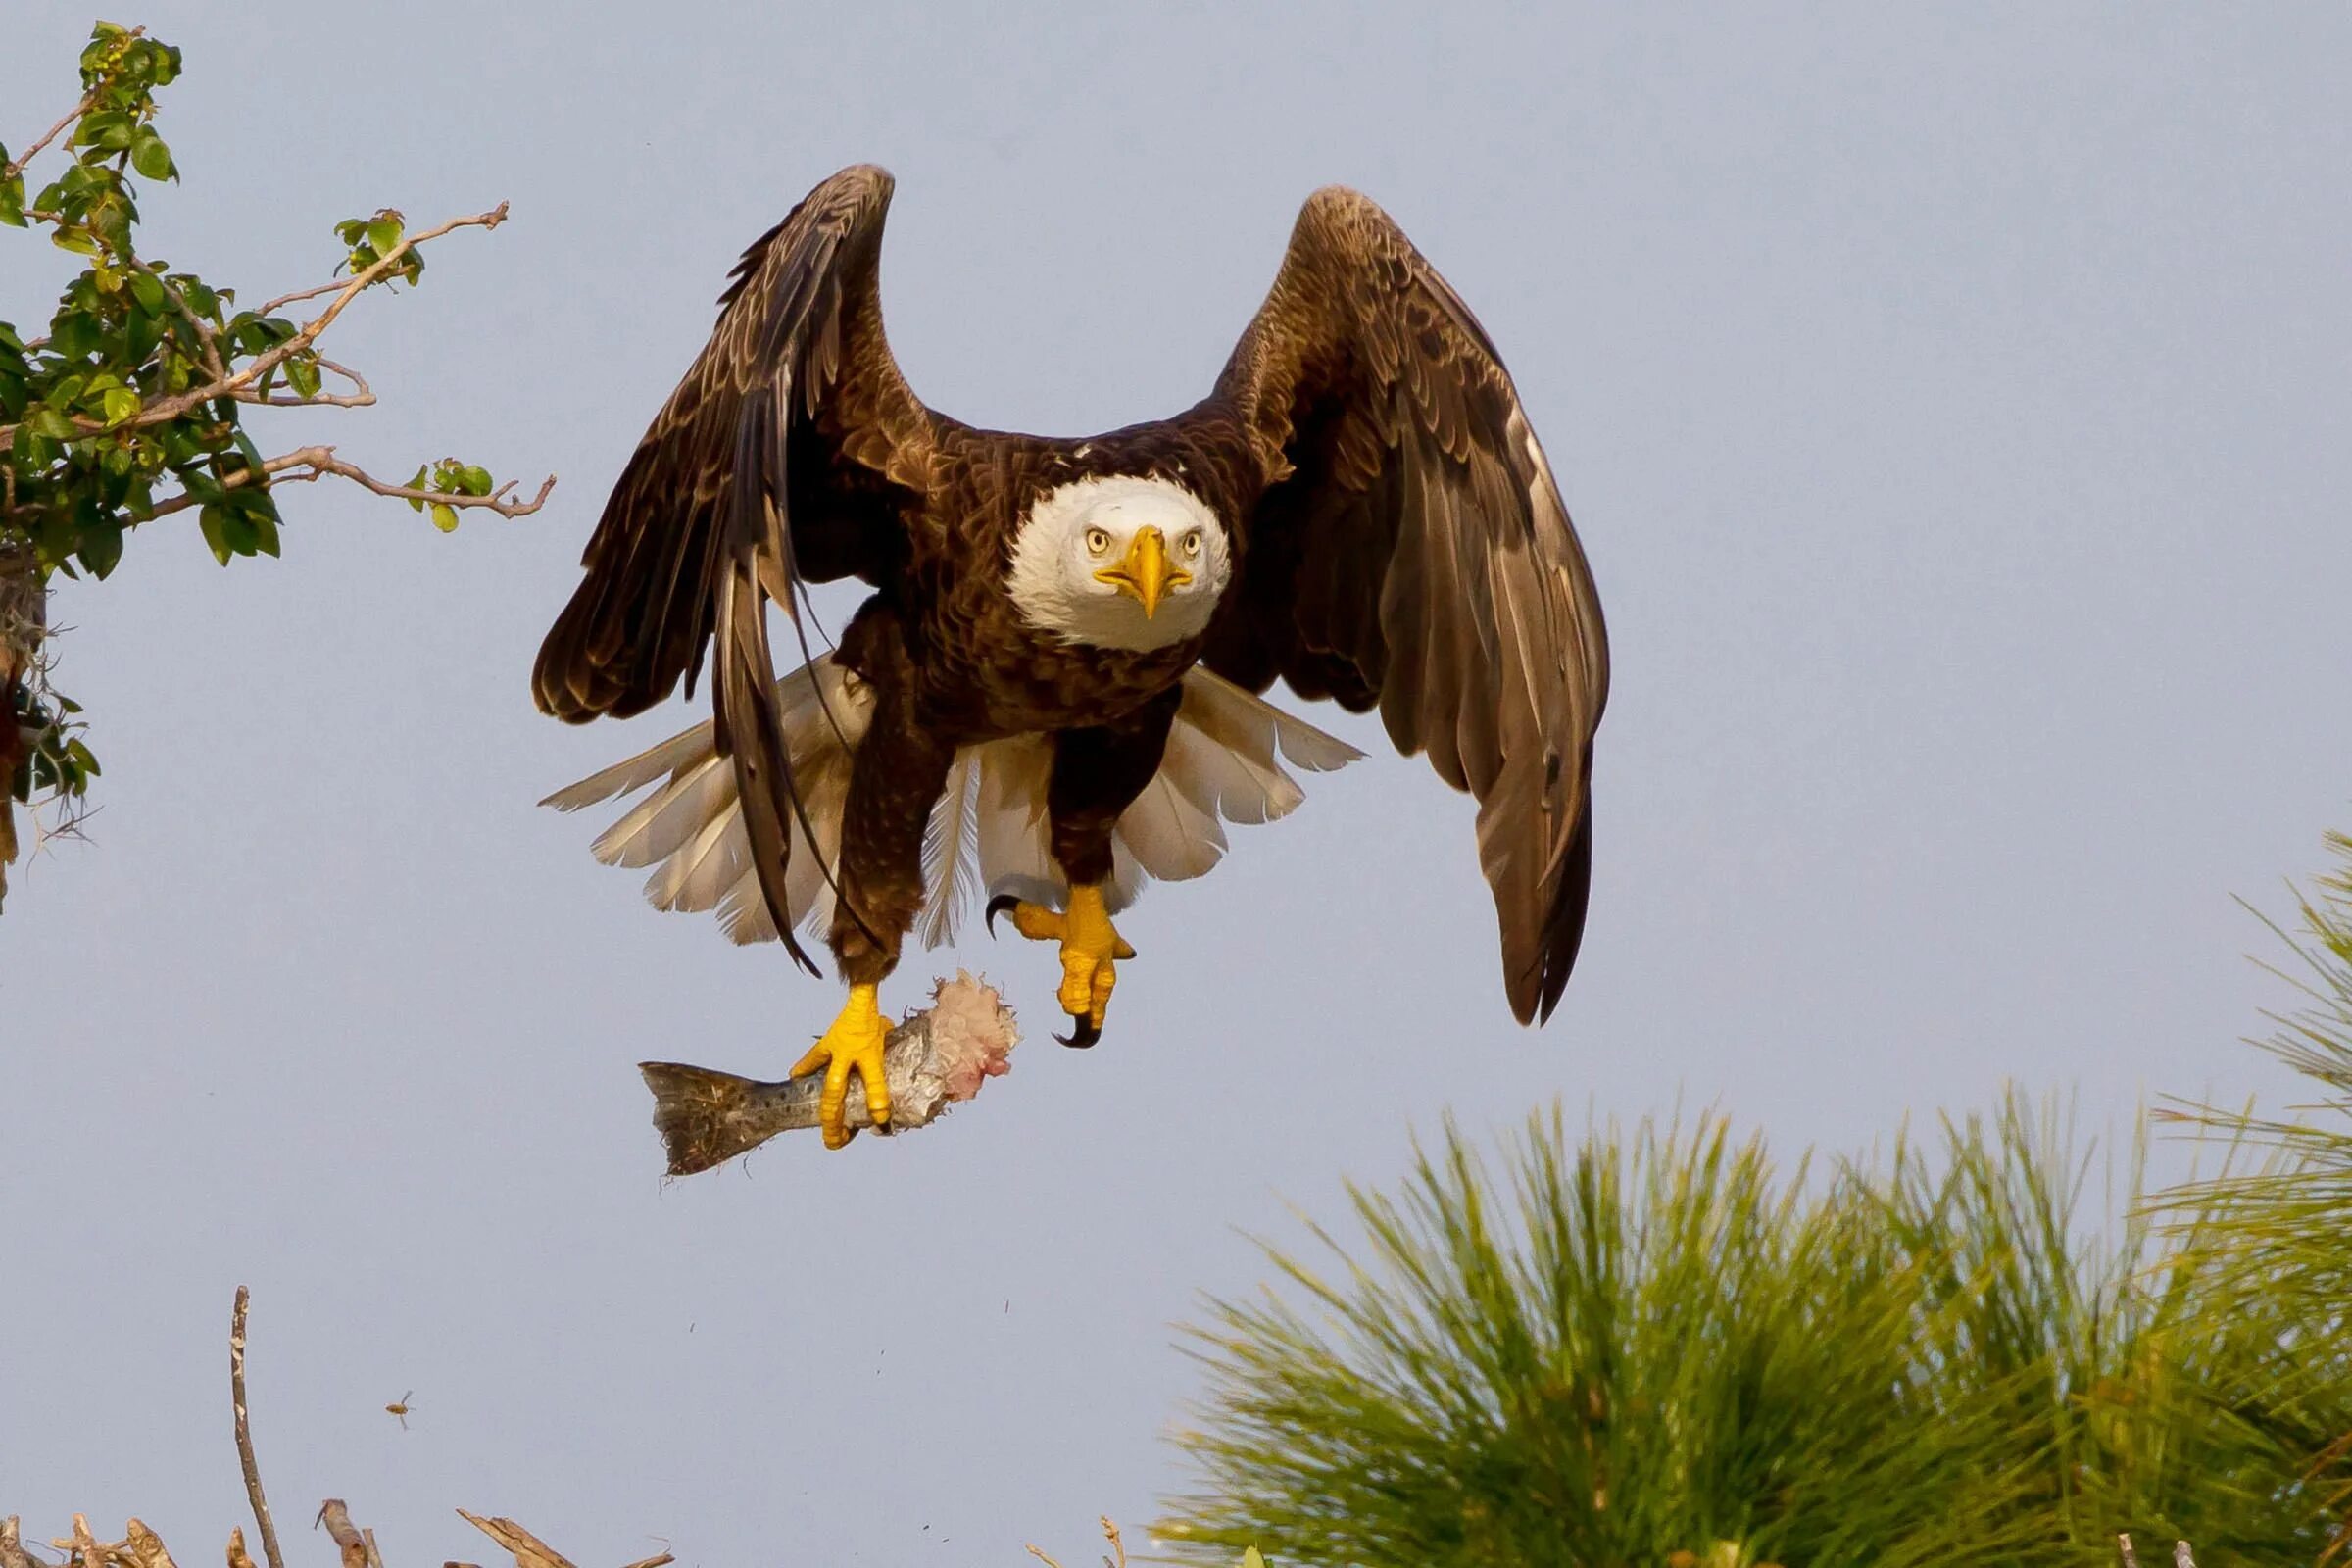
{"x": 1084, "y": 1032}
{"x": 997, "y": 906}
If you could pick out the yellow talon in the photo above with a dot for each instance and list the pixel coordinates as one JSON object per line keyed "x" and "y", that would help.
{"x": 1090, "y": 949}
{"x": 853, "y": 1044}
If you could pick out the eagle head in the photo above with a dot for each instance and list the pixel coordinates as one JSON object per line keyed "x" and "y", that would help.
{"x": 1119, "y": 562}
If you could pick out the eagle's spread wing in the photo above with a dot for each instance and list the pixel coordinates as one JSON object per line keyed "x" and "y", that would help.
{"x": 1413, "y": 551}
{"x": 789, "y": 453}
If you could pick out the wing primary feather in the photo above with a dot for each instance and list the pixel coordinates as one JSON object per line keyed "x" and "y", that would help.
{"x": 749, "y": 733}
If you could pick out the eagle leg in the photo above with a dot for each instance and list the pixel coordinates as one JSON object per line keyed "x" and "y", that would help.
{"x": 1091, "y": 947}
{"x": 853, "y": 1044}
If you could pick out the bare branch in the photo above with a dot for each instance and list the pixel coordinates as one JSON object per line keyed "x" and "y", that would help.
{"x": 87, "y": 1554}
{"x": 273, "y": 307}
{"x": 529, "y": 1550}
{"x": 253, "y": 1471}
{"x": 17, "y": 166}
{"x": 337, "y": 1518}
{"x": 237, "y": 1555}
{"x": 2123, "y": 1544}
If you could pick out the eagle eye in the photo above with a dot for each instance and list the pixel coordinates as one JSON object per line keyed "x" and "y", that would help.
{"x": 1097, "y": 541}
{"x": 1191, "y": 543}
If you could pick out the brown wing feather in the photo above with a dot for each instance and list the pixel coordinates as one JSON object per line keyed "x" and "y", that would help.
{"x": 792, "y": 450}
{"x": 1413, "y": 552}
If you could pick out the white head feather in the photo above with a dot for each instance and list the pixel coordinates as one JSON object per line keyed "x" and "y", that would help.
{"x": 1076, "y": 529}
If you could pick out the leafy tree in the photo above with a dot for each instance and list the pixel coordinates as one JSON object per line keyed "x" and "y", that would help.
{"x": 2278, "y": 1235}
{"x": 131, "y": 406}
{"x": 1660, "y": 1349}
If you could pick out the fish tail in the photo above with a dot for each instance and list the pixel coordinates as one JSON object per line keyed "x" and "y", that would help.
{"x": 701, "y": 1116}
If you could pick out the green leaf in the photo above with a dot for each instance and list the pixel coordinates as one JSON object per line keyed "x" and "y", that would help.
{"x": 101, "y": 546}
{"x": 302, "y": 373}
{"x": 264, "y": 530}
{"x": 120, "y": 404}
{"x": 12, "y": 200}
{"x": 445, "y": 516}
{"x": 473, "y": 481}
{"x": 383, "y": 233}
{"x": 213, "y": 521}
{"x": 73, "y": 239}
{"x": 415, "y": 482}
{"x": 77, "y": 333}
{"x": 55, "y": 423}
{"x": 108, "y": 130}
{"x": 1251, "y": 1559}
{"x": 150, "y": 157}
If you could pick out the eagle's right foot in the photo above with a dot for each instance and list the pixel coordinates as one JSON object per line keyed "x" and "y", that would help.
{"x": 1089, "y": 950}
{"x": 853, "y": 1044}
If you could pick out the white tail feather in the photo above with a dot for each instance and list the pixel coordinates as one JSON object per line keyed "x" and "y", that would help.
{"x": 989, "y": 830}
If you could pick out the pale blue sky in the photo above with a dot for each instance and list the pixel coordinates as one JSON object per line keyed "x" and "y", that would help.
{"x": 1953, "y": 405}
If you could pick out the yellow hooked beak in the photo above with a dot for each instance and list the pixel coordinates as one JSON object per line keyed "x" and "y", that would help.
{"x": 1146, "y": 573}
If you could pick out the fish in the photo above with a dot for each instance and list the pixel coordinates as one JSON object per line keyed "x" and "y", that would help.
{"x": 933, "y": 1060}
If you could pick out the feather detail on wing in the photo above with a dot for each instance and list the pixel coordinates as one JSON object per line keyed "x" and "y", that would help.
{"x": 790, "y": 452}
{"x": 1413, "y": 553}
{"x": 988, "y": 832}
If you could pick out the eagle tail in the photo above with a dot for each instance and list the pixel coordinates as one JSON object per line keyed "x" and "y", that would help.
{"x": 989, "y": 831}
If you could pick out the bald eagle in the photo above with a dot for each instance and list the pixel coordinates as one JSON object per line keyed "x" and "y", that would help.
{"x": 1053, "y": 687}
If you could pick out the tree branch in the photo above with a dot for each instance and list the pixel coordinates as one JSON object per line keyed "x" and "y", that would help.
{"x": 237, "y": 385}
{"x": 16, "y": 165}
{"x": 316, "y": 463}
{"x": 359, "y": 284}
{"x": 253, "y": 1471}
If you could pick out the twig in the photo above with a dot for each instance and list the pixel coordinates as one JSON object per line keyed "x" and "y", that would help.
{"x": 529, "y": 1550}
{"x": 2123, "y": 1544}
{"x": 273, "y": 307}
{"x": 320, "y": 462}
{"x": 238, "y": 386}
{"x": 253, "y": 1471}
{"x": 12, "y": 1545}
{"x": 358, "y": 284}
{"x": 2180, "y": 1555}
{"x": 237, "y": 1555}
{"x": 1111, "y": 1532}
{"x": 72, "y": 114}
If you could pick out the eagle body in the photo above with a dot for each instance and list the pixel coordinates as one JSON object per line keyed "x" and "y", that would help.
{"x": 1053, "y": 687}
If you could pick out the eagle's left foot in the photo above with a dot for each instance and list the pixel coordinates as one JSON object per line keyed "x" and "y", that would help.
{"x": 853, "y": 1044}
{"x": 1090, "y": 949}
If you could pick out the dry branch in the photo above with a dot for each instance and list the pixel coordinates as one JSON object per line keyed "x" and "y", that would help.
{"x": 336, "y": 1517}
{"x": 934, "y": 1059}
{"x": 253, "y": 1471}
